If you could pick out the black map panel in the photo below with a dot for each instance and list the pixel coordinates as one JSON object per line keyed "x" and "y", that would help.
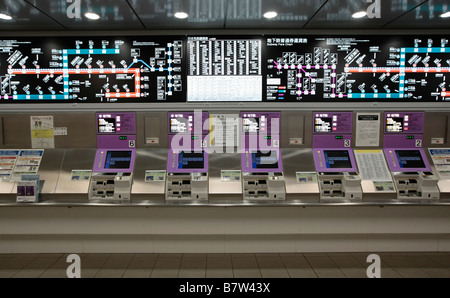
{"x": 92, "y": 70}
{"x": 367, "y": 68}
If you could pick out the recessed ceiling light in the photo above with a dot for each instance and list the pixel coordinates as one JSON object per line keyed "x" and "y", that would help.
{"x": 181, "y": 15}
{"x": 92, "y": 16}
{"x": 5, "y": 17}
{"x": 445, "y": 15}
{"x": 359, "y": 14}
{"x": 270, "y": 14}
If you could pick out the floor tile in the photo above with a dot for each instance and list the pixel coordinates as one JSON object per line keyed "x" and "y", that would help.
{"x": 411, "y": 272}
{"x": 192, "y": 273}
{"x": 298, "y": 261}
{"x": 301, "y": 273}
{"x": 318, "y": 262}
{"x": 219, "y": 263}
{"x": 167, "y": 263}
{"x": 7, "y": 273}
{"x": 137, "y": 273}
{"x": 54, "y": 273}
{"x": 354, "y": 272}
{"x": 142, "y": 263}
{"x": 110, "y": 273}
{"x": 219, "y": 273}
{"x": 274, "y": 273}
{"x": 246, "y": 273}
{"x": 28, "y": 273}
{"x": 195, "y": 255}
{"x": 245, "y": 263}
{"x": 88, "y": 273}
{"x": 270, "y": 262}
{"x": 193, "y": 263}
{"x": 329, "y": 273}
{"x": 164, "y": 273}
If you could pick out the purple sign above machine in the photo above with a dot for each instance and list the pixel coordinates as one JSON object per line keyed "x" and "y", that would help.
{"x": 116, "y": 142}
{"x": 332, "y": 140}
{"x": 403, "y": 142}
{"x": 260, "y": 142}
{"x": 188, "y": 142}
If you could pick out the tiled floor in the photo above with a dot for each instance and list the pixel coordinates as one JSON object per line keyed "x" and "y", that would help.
{"x": 273, "y": 265}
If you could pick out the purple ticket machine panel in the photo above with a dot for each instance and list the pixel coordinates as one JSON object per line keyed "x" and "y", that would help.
{"x": 332, "y": 142}
{"x": 260, "y": 142}
{"x": 406, "y": 158}
{"x": 116, "y": 132}
{"x": 112, "y": 173}
{"x": 187, "y": 161}
{"x": 262, "y": 170}
{"x": 403, "y": 141}
{"x": 333, "y": 156}
{"x": 187, "y": 154}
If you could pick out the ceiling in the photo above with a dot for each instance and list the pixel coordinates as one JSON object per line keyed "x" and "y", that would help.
{"x": 51, "y": 15}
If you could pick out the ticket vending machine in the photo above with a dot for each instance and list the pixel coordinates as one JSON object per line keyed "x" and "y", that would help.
{"x": 262, "y": 170}
{"x": 187, "y": 162}
{"x": 112, "y": 173}
{"x": 403, "y": 139}
{"x": 333, "y": 157}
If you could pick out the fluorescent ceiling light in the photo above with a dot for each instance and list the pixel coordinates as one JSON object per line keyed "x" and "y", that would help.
{"x": 359, "y": 14}
{"x": 181, "y": 15}
{"x": 445, "y": 15}
{"x": 92, "y": 16}
{"x": 5, "y": 17}
{"x": 270, "y": 14}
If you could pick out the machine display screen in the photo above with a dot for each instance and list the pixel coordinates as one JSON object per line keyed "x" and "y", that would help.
{"x": 267, "y": 160}
{"x": 250, "y": 124}
{"x": 191, "y": 160}
{"x": 107, "y": 125}
{"x": 337, "y": 159}
{"x": 118, "y": 159}
{"x": 394, "y": 124}
{"x": 323, "y": 124}
{"x": 410, "y": 159}
{"x": 178, "y": 125}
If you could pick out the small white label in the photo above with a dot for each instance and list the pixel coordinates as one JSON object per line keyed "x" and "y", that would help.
{"x": 60, "y": 131}
{"x": 152, "y": 140}
{"x": 295, "y": 141}
{"x": 418, "y": 143}
{"x": 437, "y": 140}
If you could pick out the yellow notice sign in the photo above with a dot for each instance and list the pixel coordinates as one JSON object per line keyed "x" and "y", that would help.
{"x": 44, "y": 133}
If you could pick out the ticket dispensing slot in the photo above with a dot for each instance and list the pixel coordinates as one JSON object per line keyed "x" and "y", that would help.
{"x": 262, "y": 172}
{"x": 407, "y": 161}
{"x": 187, "y": 164}
{"x": 334, "y": 160}
{"x": 112, "y": 174}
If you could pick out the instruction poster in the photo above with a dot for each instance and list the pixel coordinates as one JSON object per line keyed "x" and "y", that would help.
{"x": 372, "y": 165}
{"x": 155, "y": 175}
{"x": 441, "y": 160}
{"x": 230, "y": 175}
{"x": 8, "y": 160}
{"x": 367, "y": 129}
{"x": 42, "y": 134}
{"x": 27, "y": 163}
{"x": 306, "y": 177}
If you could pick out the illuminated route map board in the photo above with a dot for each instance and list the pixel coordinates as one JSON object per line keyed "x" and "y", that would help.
{"x": 359, "y": 68}
{"x": 92, "y": 70}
